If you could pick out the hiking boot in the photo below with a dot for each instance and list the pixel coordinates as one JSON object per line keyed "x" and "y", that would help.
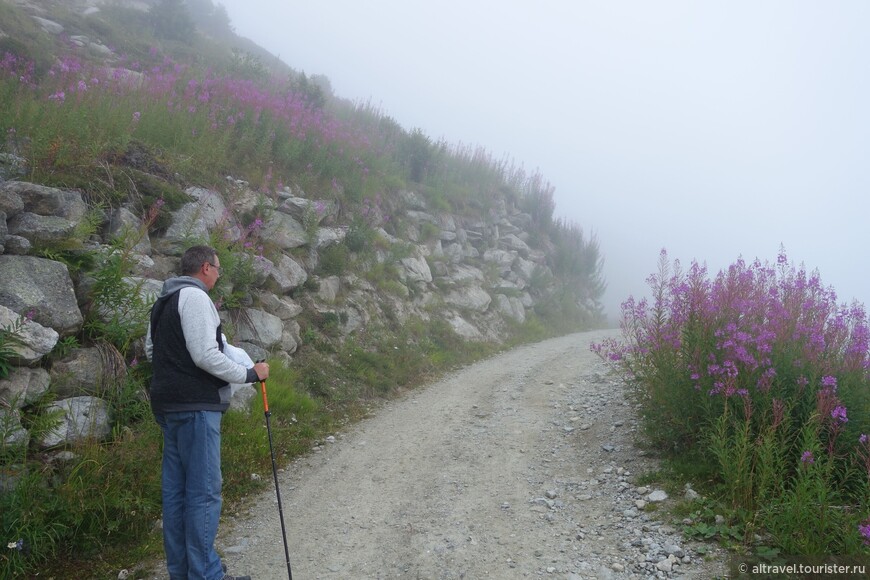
{"x": 228, "y": 577}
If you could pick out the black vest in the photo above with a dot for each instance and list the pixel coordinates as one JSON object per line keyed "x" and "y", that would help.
{"x": 177, "y": 384}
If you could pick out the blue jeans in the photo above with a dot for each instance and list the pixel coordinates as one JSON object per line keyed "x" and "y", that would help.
{"x": 191, "y": 493}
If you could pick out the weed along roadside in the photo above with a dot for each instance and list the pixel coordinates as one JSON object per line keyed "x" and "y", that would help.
{"x": 358, "y": 257}
{"x": 771, "y": 375}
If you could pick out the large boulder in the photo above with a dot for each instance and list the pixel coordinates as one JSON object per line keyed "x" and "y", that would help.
{"x": 281, "y": 306}
{"x": 511, "y": 307}
{"x": 326, "y": 237}
{"x": 525, "y": 269}
{"x": 472, "y": 298}
{"x": 258, "y": 327}
{"x": 287, "y": 274}
{"x": 284, "y": 231}
{"x": 462, "y": 274}
{"x": 79, "y": 419}
{"x": 41, "y": 230}
{"x": 124, "y": 225}
{"x": 464, "y": 328}
{"x": 42, "y": 200}
{"x": 415, "y": 270}
{"x": 328, "y": 289}
{"x": 194, "y": 220}
{"x": 23, "y": 386}
{"x": 308, "y": 210}
{"x": 87, "y": 371}
{"x": 512, "y": 243}
{"x": 44, "y": 286}
{"x": 504, "y": 259}
{"x": 33, "y": 341}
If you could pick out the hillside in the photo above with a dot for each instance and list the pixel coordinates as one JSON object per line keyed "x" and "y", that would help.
{"x": 357, "y": 255}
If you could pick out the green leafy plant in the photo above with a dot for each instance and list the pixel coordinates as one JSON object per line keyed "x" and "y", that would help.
{"x": 10, "y": 340}
{"x": 771, "y": 376}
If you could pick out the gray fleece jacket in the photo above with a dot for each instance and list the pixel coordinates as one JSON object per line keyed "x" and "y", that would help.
{"x": 200, "y": 326}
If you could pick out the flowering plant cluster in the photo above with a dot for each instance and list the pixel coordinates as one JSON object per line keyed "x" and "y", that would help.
{"x": 217, "y": 120}
{"x": 760, "y": 372}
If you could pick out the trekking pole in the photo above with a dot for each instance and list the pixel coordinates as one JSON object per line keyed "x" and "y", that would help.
{"x": 275, "y": 474}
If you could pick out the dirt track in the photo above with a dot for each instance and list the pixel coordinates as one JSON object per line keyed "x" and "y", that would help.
{"x": 519, "y": 466}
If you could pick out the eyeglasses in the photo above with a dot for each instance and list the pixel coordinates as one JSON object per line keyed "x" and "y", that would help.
{"x": 218, "y": 268}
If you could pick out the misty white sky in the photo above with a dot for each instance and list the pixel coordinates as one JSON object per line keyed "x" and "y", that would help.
{"x": 713, "y": 129}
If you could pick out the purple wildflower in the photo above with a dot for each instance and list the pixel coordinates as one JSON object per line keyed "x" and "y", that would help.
{"x": 807, "y": 458}
{"x": 839, "y": 414}
{"x": 829, "y": 382}
{"x": 864, "y": 530}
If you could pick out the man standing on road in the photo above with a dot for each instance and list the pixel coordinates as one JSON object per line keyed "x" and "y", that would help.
{"x": 189, "y": 394}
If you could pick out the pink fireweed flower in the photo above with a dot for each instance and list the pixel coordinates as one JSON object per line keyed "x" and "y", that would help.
{"x": 864, "y": 530}
{"x": 59, "y": 96}
{"x": 829, "y": 382}
{"x": 807, "y": 458}
{"x": 839, "y": 414}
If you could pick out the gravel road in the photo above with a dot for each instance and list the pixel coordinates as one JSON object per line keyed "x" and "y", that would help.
{"x": 520, "y": 466}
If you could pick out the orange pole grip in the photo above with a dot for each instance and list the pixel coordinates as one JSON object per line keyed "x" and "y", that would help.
{"x": 265, "y": 399}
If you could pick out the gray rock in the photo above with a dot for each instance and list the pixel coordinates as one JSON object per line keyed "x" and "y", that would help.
{"x": 464, "y": 328}
{"x": 23, "y": 386}
{"x": 284, "y": 231}
{"x": 326, "y": 237}
{"x": 472, "y": 298}
{"x": 193, "y": 221}
{"x": 502, "y": 258}
{"x": 80, "y": 419}
{"x": 12, "y": 166}
{"x": 259, "y": 328}
{"x": 86, "y": 371}
{"x": 286, "y": 275}
{"x": 242, "y": 395}
{"x": 17, "y": 246}
{"x": 43, "y": 200}
{"x": 12, "y": 433}
{"x": 328, "y": 289}
{"x": 412, "y": 199}
{"x": 41, "y": 230}
{"x": 511, "y": 307}
{"x": 308, "y": 210}
{"x": 415, "y": 270}
{"x": 34, "y": 340}
{"x": 283, "y": 307}
{"x": 49, "y": 26}
{"x": 124, "y": 225}
{"x": 513, "y": 243}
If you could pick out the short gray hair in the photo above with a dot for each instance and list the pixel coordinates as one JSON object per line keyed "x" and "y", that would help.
{"x": 195, "y": 257}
